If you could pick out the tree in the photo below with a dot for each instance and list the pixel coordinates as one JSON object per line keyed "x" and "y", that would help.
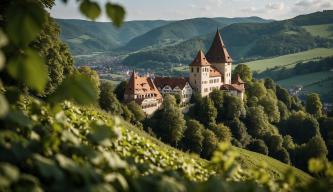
{"x": 108, "y": 100}
{"x": 56, "y": 54}
{"x": 222, "y": 132}
{"x": 209, "y": 144}
{"x": 138, "y": 113}
{"x": 239, "y": 131}
{"x": 169, "y": 123}
{"x": 207, "y": 113}
{"x": 270, "y": 84}
{"x": 257, "y": 122}
{"x": 233, "y": 107}
{"x": 326, "y": 130}
{"x": 257, "y": 89}
{"x": 217, "y": 96}
{"x": 300, "y": 126}
{"x": 314, "y": 105}
{"x": 270, "y": 108}
{"x": 244, "y": 72}
{"x": 283, "y": 109}
{"x": 93, "y": 75}
{"x": 283, "y": 95}
{"x": 120, "y": 90}
{"x": 193, "y": 136}
{"x": 258, "y": 145}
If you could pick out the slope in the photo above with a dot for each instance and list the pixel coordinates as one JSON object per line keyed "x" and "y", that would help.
{"x": 179, "y": 31}
{"x": 290, "y": 60}
{"x": 247, "y": 41}
{"x": 87, "y": 36}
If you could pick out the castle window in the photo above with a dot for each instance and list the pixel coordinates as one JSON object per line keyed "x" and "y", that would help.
{"x": 192, "y": 69}
{"x": 198, "y": 69}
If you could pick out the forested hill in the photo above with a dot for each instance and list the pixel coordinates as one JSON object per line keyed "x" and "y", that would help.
{"x": 249, "y": 41}
{"x": 85, "y": 37}
{"x": 179, "y": 31}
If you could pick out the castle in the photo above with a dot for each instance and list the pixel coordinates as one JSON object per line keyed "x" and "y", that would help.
{"x": 207, "y": 72}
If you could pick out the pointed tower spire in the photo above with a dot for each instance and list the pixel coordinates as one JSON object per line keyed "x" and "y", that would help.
{"x": 217, "y": 53}
{"x": 200, "y": 60}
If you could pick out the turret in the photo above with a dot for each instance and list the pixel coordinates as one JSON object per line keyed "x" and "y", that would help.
{"x": 219, "y": 57}
{"x": 199, "y": 74}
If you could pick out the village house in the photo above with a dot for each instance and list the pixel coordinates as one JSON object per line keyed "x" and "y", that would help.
{"x": 206, "y": 73}
{"x": 175, "y": 85}
{"x": 142, "y": 90}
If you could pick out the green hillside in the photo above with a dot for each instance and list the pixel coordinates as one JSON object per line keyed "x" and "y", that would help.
{"x": 325, "y": 30}
{"x": 306, "y": 80}
{"x": 179, "y": 31}
{"x": 85, "y": 37}
{"x": 244, "y": 41}
{"x": 290, "y": 60}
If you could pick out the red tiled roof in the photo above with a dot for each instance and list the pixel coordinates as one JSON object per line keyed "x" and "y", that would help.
{"x": 217, "y": 53}
{"x": 213, "y": 72}
{"x": 238, "y": 80}
{"x": 232, "y": 87}
{"x": 173, "y": 82}
{"x": 138, "y": 85}
{"x": 200, "y": 60}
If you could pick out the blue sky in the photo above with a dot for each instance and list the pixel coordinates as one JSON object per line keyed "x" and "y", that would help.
{"x": 184, "y": 9}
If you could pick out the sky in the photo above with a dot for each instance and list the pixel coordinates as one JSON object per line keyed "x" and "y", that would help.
{"x": 185, "y": 9}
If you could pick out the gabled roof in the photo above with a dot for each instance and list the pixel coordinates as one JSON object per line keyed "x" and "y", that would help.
{"x": 238, "y": 80}
{"x": 200, "y": 60}
{"x": 138, "y": 85}
{"x": 173, "y": 82}
{"x": 218, "y": 53}
{"x": 213, "y": 72}
{"x": 234, "y": 87}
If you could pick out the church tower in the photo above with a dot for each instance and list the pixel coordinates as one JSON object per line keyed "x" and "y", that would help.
{"x": 219, "y": 57}
{"x": 199, "y": 74}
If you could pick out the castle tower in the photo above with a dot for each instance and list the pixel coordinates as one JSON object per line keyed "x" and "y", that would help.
{"x": 219, "y": 57}
{"x": 199, "y": 74}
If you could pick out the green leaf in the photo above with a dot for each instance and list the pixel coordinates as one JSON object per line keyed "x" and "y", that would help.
{"x": 30, "y": 69}
{"x": 3, "y": 106}
{"x": 47, "y": 167}
{"x": 25, "y": 20}
{"x": 8, "y": 174}
{"x": 75, "y": 87}
{"x": 101, "y": 134}
{"x": 116, "y": 13}
{"x": 19, "y": 118}
{"x": 90, "y": 9}
{"x": 3, "y": 42}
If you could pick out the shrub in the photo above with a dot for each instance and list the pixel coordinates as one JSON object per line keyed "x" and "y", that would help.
{"x": 258, "y": 145}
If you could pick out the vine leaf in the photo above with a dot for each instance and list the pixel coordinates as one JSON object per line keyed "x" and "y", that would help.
{"x": 30, "y": 69}
{"x": 90, "y": 9}
{"x": 116, "y": 13}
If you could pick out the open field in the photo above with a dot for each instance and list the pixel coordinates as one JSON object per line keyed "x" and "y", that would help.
{"x": 306, "y": 80}
{"x": 275, "y": 167}
{"x": 325, "y": 31}
{"x": 289, "y": 60}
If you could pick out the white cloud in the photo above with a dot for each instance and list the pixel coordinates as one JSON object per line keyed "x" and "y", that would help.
{"x": 275, "y": 6}
{"x": 312, "y": 5}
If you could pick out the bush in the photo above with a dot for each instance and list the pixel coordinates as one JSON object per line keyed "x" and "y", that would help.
{"x": 193, "y": 136}
{"x": 222, "y": 132}
{"x": 209, "y": 144}
{"x": 138, "y": 113}
{"x": 258, "y": 145}
{"x": 108, "y": 100}
{"x": 120, "y": 90}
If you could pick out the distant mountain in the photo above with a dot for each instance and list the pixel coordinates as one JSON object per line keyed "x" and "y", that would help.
{"x": 85, "y": 37}
{"x": 245, "y": 41}
{"x": 180, "y": 31}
